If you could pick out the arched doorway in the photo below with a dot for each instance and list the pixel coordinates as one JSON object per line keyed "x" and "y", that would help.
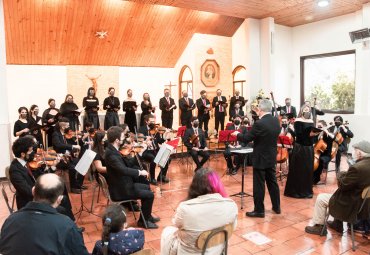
{"x": 239, "y": 80}
{"x": 186, "y": 83}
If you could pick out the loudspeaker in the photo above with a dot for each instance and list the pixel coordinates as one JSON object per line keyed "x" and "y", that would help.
{"x": 360, "y": 35}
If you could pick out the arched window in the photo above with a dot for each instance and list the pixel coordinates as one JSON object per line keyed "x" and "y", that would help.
{"x": 239, "y": 79}
{"x": 186, "y": 81}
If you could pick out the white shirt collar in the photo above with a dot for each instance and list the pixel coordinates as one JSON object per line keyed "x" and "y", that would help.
{"x": 22, "y": 161}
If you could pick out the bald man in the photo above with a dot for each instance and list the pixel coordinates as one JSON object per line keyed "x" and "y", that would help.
{"x": 38, "y": 228}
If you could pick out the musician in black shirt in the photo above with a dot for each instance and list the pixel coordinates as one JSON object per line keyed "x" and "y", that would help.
{"x": 112, "y": 105}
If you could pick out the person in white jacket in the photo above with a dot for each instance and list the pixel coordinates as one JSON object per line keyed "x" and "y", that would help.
{"x": 207, "y": 207}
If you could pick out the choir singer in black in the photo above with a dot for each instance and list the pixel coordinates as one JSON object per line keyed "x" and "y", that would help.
{"x": 187, "y": 106}
{"x": 264, "y": 135}
{"x": 111, "y": 105}
{"x": 167, "y": 105}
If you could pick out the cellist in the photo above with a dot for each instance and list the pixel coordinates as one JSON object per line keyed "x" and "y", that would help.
{"x": 322, "y": 161}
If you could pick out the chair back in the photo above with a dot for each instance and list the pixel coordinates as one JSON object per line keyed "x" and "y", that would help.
{"x": 7, "y": 175}
{"x": 5, "y": 196}
{"x": 365, "y": 195}
{"x": 144, "y": 252}
{"x": 104, "y": 185}
{"x": 214, "y": 237}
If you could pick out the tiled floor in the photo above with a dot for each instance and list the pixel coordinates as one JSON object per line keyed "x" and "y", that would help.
{"x": 285, "y": 230}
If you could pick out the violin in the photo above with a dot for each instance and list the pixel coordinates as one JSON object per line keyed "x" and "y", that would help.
{"x": 194, "y": 139}
{"x": 69, "y": 134}
{"x": 48, "y": 158}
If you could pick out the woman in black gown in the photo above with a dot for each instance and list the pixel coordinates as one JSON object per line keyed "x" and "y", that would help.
{"x": 21, "y": 126}
{"x": 129, "y": 106}
{"x": 146, "y": 108}
{"x": 70, "y": 110}
{"x": 49, "y": 118}
{"x": 35, "y": 123}
{"x": 299, "y": 181}
{"x": 91, "y": 104}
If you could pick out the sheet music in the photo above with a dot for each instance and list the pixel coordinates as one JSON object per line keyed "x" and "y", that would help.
{"x": 84, "y": 163}
{"x": 242, "y": 150}
{"x": 163, "y": 155}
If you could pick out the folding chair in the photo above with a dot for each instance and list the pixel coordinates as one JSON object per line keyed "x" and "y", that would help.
{"x": 5, "y": 196}
{"x": 11, "y": 188}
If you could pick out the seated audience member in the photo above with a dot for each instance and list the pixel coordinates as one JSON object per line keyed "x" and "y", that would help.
{"x": 207, "y": 207}
{"x": 116, "y": 239}
{"x": 123, "y": 181}
{"x": 346, "y": 200}
{"x": 38, "y": 228}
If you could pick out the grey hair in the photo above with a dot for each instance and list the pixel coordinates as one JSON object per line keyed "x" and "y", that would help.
{"x": 265, "y": 105}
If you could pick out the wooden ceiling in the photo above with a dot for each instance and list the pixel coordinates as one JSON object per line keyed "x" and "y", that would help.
{"x": 140, "y": 32}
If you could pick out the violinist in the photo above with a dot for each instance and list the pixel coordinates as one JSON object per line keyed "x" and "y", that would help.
{"x": 345, "y": 133}
{"x": 112, "y": 105}
{"x": 70, "y": 111}
{"x": 21, "y": 126}
{"x": 87, "y": 137}
{"x": 99, "y": 148}
{"x": 146, "y": 108}
{"x": 220, "y": 105}
{"x": 91, "y": 105}
{"x": 325, "y": 156}
{"x": 167, "y": 105}
{"x": 50, "y": 118}
{"x": 195, "y": 142}
{"x": 187, "y": 106}
{"x": 204, "y": 107}
{"x": 238, "y": 159}
{"x": 61, "y": 145}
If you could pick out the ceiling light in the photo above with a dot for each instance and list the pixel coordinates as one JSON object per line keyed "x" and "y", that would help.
{"x": 323, "y": 3}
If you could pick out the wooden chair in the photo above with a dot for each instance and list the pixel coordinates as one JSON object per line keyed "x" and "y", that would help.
{"x": 104, "y": 187}
{"x": 364, "y": 195}
{"x": 144, "y": 252}
{"x": 11, "y": 188}
{"x": 214, "y": 237}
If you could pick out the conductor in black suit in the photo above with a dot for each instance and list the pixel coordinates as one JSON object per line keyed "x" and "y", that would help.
{"x": 234, "y": 99}
{"x": 199, "y": 147}
{"x": 123, "y": 181}
{"x": 264, "y": 134}
{"x": 288, "y": 109}
{"x": 167, "y": 105}
{"x": 204, "y": 106}
{"x": 220, "y": 105}
{"x": 187, "y": 106}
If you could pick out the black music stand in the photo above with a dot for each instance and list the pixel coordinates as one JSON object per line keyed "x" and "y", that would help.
{"x": 244, "y": 151}
{"x": 83, "y": 208}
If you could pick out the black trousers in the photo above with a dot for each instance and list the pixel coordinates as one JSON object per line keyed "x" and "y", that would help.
{"x": 93, "y": 118}
{"x": 195, "y": 154}
{"x": 323, "y": 164}
{"x": 143, "y": 192}
{"x": 149, "y": 156}
{"x": 220, "y": 120}
{"x": 238, "y": 159}
{"x": 341, "y": 149}
{"x": 186, "y": 121}
{"x": 111, "y": 119}
{"x": 203, "y": 120}
{"x": 260, "y": 176}
{"x": 167, "y": 121}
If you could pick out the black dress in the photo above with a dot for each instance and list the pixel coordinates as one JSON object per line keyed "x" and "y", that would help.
{"x": 299, "y": 181}
{"x": 20, "y": 125}
{"x": 146, "y": 109}
{"x": 35, "y": 129}
{"x": 130, "y": 117}
{"x": 69, "y": 110}
{"x": 111, "y": 116}
{"x": 91, "y": 105}
{"x": 46, "y": 116}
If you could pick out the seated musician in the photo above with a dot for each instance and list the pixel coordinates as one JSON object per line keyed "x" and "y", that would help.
{"x": 195, "y": 142}
{"x": 22, "y": 178}
{"x": 237, "y": 111}
{"x": 238, "y": 159}
{"x": 345, "y": 133}
{"x": 325, "y": 157}
{"x": 122, "y": 182}
{"x": 345, "y": 203}
{"x": 61, "y": 145}
{"x": 153, "y": 140}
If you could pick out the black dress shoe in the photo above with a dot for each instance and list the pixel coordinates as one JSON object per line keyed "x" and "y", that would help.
{"x": 255, "y": 214}
{"x": 153, "y": 182}
{"x": 163, "y": 180}
{"x": 154, "y": 219}
{"x": 149, "y": 225}
{"x": 277, "y": 211}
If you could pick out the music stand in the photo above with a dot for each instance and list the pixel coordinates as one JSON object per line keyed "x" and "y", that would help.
{"x": 243, "y": 151}
{"x": 180, "y": 133}
{"x": 284, "y": 142}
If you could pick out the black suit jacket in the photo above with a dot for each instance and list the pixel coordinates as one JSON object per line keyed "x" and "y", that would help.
{"x": 233, "y": 113}
{"x": 39, "y": 229}
{"x": 283, "y": 110}
{"x": 345, "y": 135}
{"x": 201, "y": 108}
{"x": 120, "y": 177}
{"x": 22, "y": 182}
{"x": 59, "y": 143}
{"x": 163, "y": 104}
{"x": 233, "y": 101}
{"x": 217, "y": 108}
{"x": 202, "y": 139}
{"x": 264, "y": 134}
{"x": 186, "y": 112}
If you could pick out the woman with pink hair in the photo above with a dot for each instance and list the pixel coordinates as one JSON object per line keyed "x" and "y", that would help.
{"x": 207, "y": 207}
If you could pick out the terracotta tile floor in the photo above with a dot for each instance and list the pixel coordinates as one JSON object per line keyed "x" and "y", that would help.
{"x": 285, "y": 230}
